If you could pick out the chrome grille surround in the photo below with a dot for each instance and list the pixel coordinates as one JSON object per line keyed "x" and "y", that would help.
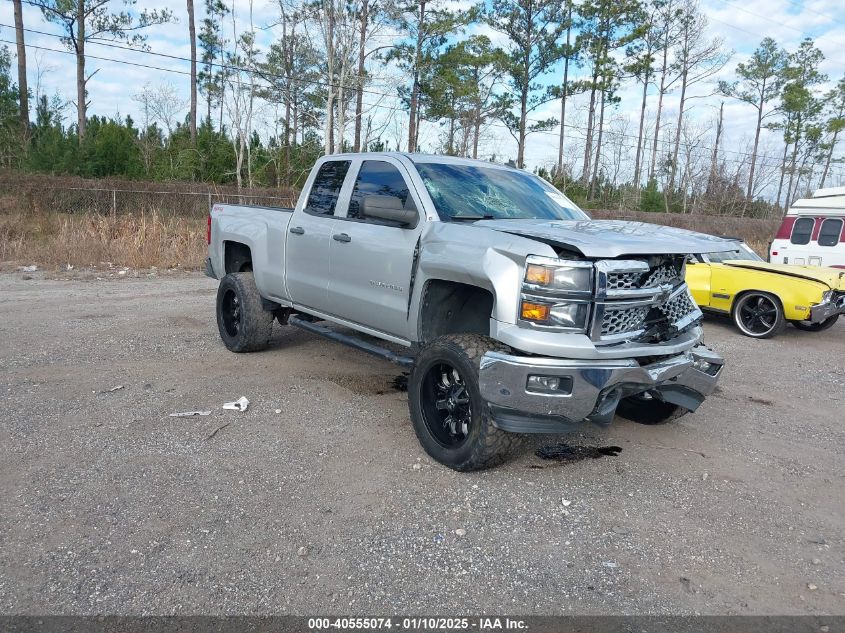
{"x": 632, "y": 296}
{"x": 645, "y": 299}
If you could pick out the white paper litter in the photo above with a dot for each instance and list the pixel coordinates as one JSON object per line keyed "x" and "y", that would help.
{"x": 188, "y": 414}
{"x": 240, "y": 404}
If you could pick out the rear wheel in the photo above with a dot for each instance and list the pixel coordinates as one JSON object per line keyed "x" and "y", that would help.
{"x": 451, "y": 420}
{"x": 758, "y": 315}
{"x": 807, "y": 326}
{"x": 643, "y": 408}
{"x": 243, "y": 323}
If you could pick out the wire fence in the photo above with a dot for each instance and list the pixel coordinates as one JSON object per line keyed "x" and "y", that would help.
{"x": 47, "y": 194}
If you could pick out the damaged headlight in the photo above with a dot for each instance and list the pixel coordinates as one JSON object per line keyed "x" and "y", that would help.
{"x": 561, "y": 275}
{"x": 570, "y": 315}
{"x": 557, "y": 293}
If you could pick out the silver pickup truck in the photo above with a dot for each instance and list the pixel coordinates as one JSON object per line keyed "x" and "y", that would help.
{"x": 519, "y": 314}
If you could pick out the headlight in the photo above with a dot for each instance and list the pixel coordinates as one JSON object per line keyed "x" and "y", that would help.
{"x": 564, "y": 314}
{"x": 566, "y": 276}
{"x": 556, "y": 293}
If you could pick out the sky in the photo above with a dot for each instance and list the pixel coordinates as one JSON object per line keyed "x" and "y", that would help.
{"x": 741, "y": 24}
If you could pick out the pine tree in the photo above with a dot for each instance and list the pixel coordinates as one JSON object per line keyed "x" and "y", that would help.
{"x": 533, "y": 28}
{"x": 761, "y": 82}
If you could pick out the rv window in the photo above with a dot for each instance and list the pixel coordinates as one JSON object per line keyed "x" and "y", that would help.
{"x": 802, "y": 231}
{"x": 830, "y": 232}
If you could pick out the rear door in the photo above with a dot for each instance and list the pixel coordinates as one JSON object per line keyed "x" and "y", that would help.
{"x": 307, "y": 267}
{"x": 371, "y": 259}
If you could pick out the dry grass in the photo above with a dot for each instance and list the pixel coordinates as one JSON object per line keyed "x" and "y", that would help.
{"x": 58, "y": 239}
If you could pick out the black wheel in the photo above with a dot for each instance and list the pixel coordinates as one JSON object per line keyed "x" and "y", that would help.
{"x": 758, "y": 315}
{"x": 244, "y": 324}
{"x": 816, "y": 327}
{"x": 643, "y": 408}
{"x": 451, "y": 420}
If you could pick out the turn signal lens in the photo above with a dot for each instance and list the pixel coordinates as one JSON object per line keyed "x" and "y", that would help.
{"x": 535, "y": 311}
{"x": 540, "y": 275}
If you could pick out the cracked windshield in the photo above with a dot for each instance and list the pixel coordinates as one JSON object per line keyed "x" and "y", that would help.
{"x": 469, "y": 192}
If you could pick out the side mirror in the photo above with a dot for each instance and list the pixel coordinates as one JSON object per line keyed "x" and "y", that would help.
{"x": 388, "y": 208}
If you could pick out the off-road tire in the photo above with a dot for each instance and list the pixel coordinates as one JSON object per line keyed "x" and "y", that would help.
{"x": 641, "y": 410}
{"x": 254, "y": 323}
{"x": 485, "y": 445}
{"x": 806, "y": 326}
{"x": 779, "y": 322}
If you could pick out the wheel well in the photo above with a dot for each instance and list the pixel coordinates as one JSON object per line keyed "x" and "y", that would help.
{"x": 238, "y": 257}
{"x": 449, "y": 307}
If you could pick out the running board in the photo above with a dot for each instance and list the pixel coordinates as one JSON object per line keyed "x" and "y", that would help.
{"x": 346, "y": 339}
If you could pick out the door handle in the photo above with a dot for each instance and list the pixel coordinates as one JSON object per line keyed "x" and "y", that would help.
{"x": 297, "y": 230}
{"x": 341, "y": 237}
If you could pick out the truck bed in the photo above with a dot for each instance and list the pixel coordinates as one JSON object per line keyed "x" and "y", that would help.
{"x": 264, "y": 230}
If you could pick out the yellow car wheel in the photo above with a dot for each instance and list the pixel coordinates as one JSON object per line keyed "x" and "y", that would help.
{"x": 758, "y": 314}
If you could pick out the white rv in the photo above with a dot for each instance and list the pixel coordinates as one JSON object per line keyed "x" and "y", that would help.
{"x": 813, "y": 231}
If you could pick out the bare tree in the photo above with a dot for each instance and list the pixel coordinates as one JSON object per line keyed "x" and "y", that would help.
{"x": 697, "y": 59}
{"x": 242, "y": 77}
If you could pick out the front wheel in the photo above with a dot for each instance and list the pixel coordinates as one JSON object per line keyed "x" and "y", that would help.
{"x": 451, "y": 420}
{"x": 758, "y": 315}
{"x": 808, "y": 326}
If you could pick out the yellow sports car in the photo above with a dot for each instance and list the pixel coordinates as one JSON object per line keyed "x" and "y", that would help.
{"x": 761, "y": 297}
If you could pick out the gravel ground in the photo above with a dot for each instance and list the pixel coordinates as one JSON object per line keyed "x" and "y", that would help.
{"x": 107, "y": 505}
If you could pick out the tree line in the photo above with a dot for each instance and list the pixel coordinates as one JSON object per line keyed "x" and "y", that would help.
{"x": 329, "y": 82}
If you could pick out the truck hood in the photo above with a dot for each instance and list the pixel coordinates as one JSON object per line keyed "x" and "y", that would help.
{"x": 832, "y": 277}
{"x": 612, "y": 238}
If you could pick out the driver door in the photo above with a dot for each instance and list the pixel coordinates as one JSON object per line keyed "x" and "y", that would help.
{"x": 372, "y": 259}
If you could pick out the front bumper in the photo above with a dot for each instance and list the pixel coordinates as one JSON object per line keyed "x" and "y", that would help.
{"x": 592, "y": 388}
{"x": 826, "y": 309}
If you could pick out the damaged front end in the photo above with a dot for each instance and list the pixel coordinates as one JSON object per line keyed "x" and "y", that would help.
{"x": 529, "y": 394}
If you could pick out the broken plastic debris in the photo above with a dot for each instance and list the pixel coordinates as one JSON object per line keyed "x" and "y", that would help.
{"x": 28, "y": 269}
{"x": 118, "y": 388}
{"x": 238, "y": 405}
{"x": 188, "y": 414}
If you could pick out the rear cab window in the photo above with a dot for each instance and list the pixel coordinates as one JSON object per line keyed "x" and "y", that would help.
{"x": 326, "y": 187}
{"x": 830, "y": 231}
{"x": 802, "y": 231}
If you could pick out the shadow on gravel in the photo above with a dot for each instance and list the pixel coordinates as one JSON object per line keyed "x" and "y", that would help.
{"x": 400, "y": 383}
{"x": 567, "y": 453}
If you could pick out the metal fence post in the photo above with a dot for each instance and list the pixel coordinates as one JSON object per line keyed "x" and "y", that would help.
{"x": 114, "y": 204}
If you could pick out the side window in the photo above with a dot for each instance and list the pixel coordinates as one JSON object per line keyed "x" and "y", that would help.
{"x": 802, "y": 231}
{"x": 377, "y": 178}
{"x": 830, "y": 232}
{"x": 326, "y": 187}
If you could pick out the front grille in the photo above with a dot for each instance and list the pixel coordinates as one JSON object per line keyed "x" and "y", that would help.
{"x": 654, "y": 277}
{"x": 642, "y": 299}
{"x": 677, "y": 308}
{"x": 625, "y": 320}
{"x": 623, "y": 281}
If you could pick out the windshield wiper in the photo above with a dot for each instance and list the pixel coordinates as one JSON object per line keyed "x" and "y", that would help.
{"x": 471, "y": 218}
